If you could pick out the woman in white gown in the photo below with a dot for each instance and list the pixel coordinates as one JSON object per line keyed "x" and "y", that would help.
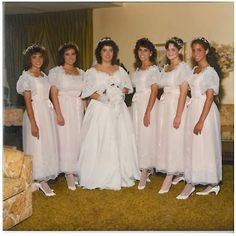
{"x": 203, "y": 159}
{"x": 39, "y": 123}
{"x": 66, "y": 81}
{"x": 171, "y": 115}
{"x": 144, "y": 106}
{"x": 108, "y": 155}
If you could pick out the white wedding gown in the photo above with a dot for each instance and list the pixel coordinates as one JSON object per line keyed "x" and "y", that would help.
{"x": 108, "y": 154}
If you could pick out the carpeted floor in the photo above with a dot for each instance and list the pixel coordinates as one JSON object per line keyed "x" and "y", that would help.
{"x": 132, "y": 209}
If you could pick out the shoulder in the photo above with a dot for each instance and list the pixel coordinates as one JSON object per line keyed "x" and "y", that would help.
{"x": 80, "y": 71}
{"x": 154, "y": 69}
{"x": 122, "y": 70}
{"x": 211, "y": 72}
{"x": 44, "y": 75}
{"x": 90, "y": 72}
{"x": 25, "y": 75}
{"x": 56, "y": 69}
{"x": 184, "y": 66}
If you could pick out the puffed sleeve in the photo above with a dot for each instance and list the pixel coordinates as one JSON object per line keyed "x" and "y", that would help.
{"x": 154, "y": 77}
{"x": 89, "y": 83}
{"x": 126, "y": 81}
{"x": 184, "y": 73}
{"x": 210, "y": 81}
{"x": 53, "y": 76}
{"x": 23, "y": 84}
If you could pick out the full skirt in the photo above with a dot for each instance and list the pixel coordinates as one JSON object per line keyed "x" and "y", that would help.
{"x": 203, "y": 158}
{"x": 108, "y": 154}
{"x": 45, "y": 149}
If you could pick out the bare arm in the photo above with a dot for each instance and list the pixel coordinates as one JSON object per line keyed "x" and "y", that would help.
{"x": 181, "y": 104}
{"x": 151, "y": 102}
{"x": 30, "y": 112}
{"x": 207, "y": 106}
{"x": 56, "y": 104}
{"x": 85, "y": 104}
{"x": 95, "y": 96}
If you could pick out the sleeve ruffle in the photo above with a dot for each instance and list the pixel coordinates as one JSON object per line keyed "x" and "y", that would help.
{"x": 184, "y": 74}
{"x": 154, "y": 77}
{"x": 126, "y": 81}
{"x": 89, "y": 83}
{"x": 210, "y": 81}
{"x": 23, "y": 84}
{"x": 53, "y": 76}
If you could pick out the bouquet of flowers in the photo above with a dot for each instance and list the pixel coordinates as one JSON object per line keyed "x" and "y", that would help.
{"x": 225, "y": 56}
{"x": 114, "y": 93}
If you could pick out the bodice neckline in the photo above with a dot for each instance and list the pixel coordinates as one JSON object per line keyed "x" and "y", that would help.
{"x": 100, "y": 71}
{"x": 177, "y": 66}
{"x": 63, "y": 70}
{"x": 41, "y": 76}
{"x": 148, "y": 68}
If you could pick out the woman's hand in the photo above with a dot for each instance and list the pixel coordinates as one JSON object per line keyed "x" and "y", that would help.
{"x": 125, "y": 90}
{"x": 198, "y": 127}
{"x": 34, "y": 130}
{"x": 146, "y": 119}
{"x": 60, "y": 120}
{"x": 176, "y": 122}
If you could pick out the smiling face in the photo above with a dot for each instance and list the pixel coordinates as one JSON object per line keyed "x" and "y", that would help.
{"x": 172, "y": 52}
{"x": 70, "y": 56}
{"x": 198, "y": 52}
{"x": 144, "y": 54}
{"x": 37, "y": 60}
{"x": 107, "y": 54}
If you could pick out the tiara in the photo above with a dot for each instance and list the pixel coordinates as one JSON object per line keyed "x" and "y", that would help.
{"x": 69, "y": 43}
{"x": 31, "y": 47}
{"x": 179, "y": 42}
{"x": 104, "y": 39}
{"x": 202, "y": 39}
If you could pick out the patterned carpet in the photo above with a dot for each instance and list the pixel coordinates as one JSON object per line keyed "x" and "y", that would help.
{"x": 132, "y": 209}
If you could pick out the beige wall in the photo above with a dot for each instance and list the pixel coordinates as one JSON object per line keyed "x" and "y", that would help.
{"x": 159, "y": 21}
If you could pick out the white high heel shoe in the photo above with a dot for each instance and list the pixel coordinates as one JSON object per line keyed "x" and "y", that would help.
{"x": 174, "y": 182}
{"x": 141, "y": 187}
{"x": 183, "y": 197}
{"x": 215, "y": 189}
{"x": 39, "y": 186}
{"x": 73, "y": 188}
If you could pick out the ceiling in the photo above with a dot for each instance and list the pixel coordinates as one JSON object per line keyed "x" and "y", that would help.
{"x": 45, "y": 7}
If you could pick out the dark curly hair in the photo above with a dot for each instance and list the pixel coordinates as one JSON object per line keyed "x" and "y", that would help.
{"x": 145, "y": 43}
{"x": 32, "y": 50}
{"x": 61, "y": 52}
{"x": 211, "y": 55}
{"x": 107, "y": 41}
{"x": 178, "y": 43}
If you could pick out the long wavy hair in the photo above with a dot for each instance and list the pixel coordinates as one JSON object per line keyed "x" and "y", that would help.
{"x": 32, "y": 50}
{"x": 211, "y": 55}
{"x": 145, "y": 43}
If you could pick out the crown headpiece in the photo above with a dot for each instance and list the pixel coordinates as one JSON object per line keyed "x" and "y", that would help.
{"x": 104, "y": 39}
{"x": 178, "y": 41}
{"x": 67, "y": 44}
{"x": 203, "y": 40}
{"x": 31, "y": 47}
